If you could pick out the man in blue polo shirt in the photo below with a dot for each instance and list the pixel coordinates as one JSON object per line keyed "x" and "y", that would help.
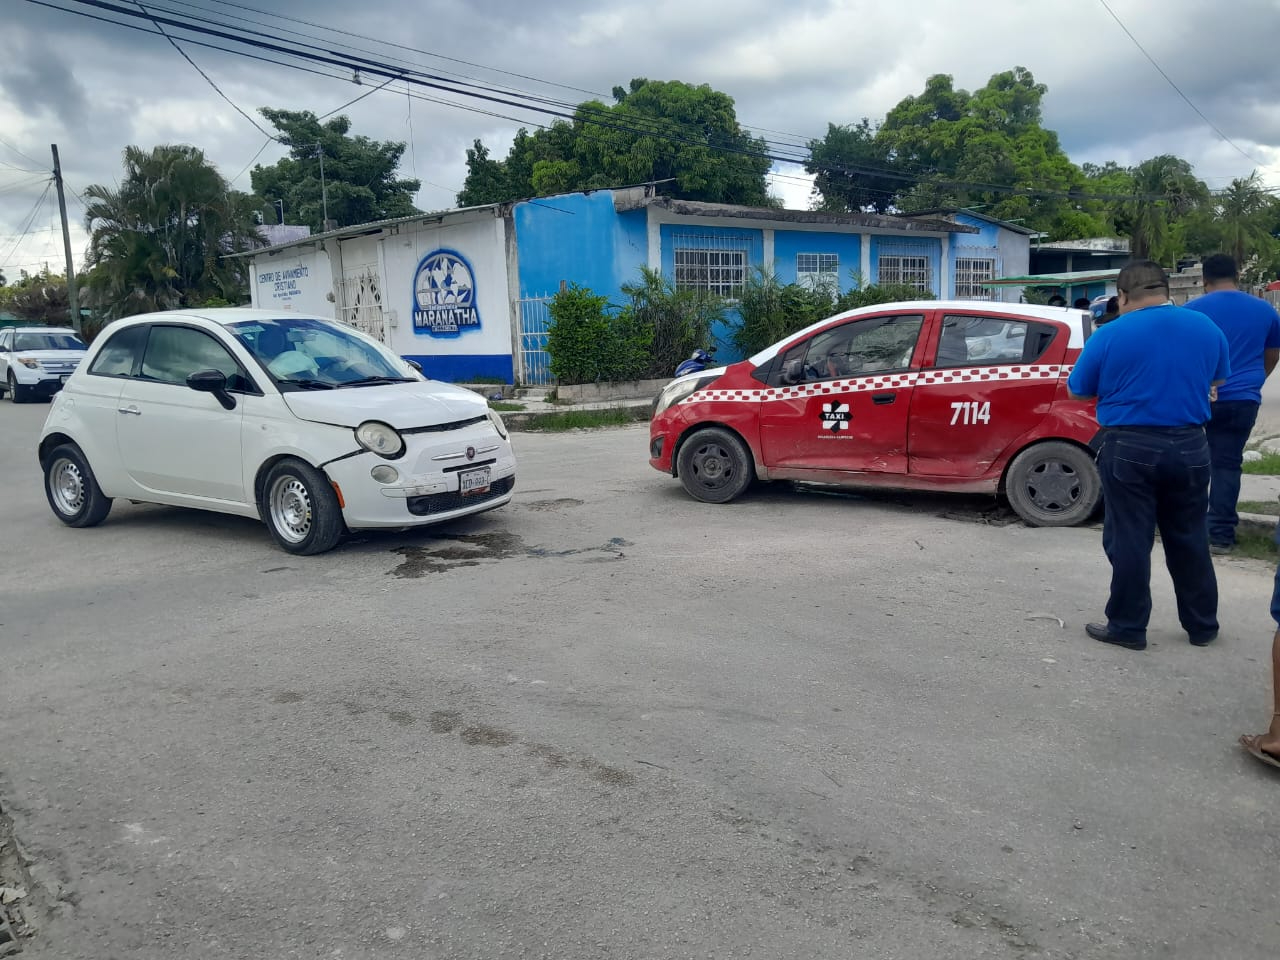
{"x": 1252, "y": 327}
{"x": 1152, "y": 371}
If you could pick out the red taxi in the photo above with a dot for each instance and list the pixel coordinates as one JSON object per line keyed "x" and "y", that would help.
{"x": 961, "y": 396}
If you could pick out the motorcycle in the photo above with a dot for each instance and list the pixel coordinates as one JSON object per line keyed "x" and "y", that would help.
{"x": 698, "y": 361}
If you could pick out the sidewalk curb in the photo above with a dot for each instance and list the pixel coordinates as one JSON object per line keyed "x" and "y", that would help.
{"x": 1259, "y": 523}
{"x": 534, "y": 421}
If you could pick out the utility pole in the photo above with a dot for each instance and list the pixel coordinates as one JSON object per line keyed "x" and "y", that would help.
{"x": 73, "y": 299}
{"x": 324, "y": 190}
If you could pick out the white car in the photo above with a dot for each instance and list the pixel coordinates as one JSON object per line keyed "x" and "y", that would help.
{"x": 305, "y": 423}
{"x": 36, "y": 361}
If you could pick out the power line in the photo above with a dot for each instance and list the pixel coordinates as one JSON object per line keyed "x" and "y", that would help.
{"x": 540, "y": 105}
{"x": 19, "y": 152}
{"x": 31, "y": 218}
{"x": 1177, "y": 89}
{"x": 208, "y": 79}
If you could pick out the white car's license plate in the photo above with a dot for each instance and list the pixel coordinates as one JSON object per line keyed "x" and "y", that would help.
{"x": 473, "y": 481}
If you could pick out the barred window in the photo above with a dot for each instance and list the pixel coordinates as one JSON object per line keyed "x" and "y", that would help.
{"x": 971, "y": 274}
{"x": 814, "y": 270}
{"x": 722, "y": 272}
{"x": 715, "y": 262}
{"x": 909, "y": 270}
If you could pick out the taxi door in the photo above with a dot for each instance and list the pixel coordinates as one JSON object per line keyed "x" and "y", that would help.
{"x": 987, "y": 381}
{"x": 842, "y": 398}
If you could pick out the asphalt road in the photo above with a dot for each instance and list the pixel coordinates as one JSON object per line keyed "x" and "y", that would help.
{"x": 609, "y": 721}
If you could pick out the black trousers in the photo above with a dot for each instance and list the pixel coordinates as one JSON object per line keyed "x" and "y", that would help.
{"x": 1157, "y": 478}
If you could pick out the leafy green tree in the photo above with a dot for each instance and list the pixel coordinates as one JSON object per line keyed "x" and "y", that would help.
{"x": 158, "y": 240}
{"x": 654, "y": 131}
{"x": 1246, "y": 217}
{"x": 360, "y": 181}
{"x": 37, "y": 298}
{"x": 948, "y": 147}
{"x": 1164, "y": 191}
{"x": 853, "y": 170}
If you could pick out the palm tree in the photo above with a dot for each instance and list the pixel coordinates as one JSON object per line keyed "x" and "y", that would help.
{"x": 158, "y": 240}
{"x": 1165, "y": 189}
{"x": 1242, "y": 212}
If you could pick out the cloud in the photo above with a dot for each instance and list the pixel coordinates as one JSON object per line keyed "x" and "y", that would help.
{"x": 791, "y": 69}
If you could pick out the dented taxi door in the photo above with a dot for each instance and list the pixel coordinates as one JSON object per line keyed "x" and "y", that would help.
{"x": 988, "y": 380}
{"x": 841, "y": 399}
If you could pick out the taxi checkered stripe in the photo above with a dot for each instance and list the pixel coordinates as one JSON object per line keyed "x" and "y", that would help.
{"x": 925, "y": 378}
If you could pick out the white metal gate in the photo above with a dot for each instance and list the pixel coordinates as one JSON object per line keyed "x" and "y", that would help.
{"x": 360, "y": 302}
{"x": 535, "y": 363}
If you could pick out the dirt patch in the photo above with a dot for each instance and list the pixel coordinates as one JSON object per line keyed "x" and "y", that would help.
{"x": 469, "y": 550}
{"x": 603, "y": 774}
{"x": 445, "y": 721}
{"x": 401, "y": 717}
{"x": 482, "y": 736}
{"x": 287, "y": 696}
{"x": 543, "y": 505}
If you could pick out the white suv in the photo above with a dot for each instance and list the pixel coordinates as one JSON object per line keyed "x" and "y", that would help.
{"x": 36, "y": 361}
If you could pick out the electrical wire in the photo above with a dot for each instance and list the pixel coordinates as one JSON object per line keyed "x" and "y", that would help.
{"x": 26, "y": 226}
{"x": 19, "y": 152}
{"x": 539, "y": 105}
{"x": 1160, "y": 70}
{"x": 208, "y": 79}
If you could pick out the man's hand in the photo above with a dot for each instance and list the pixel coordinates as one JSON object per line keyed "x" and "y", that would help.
{"x": 1213, "y": 393}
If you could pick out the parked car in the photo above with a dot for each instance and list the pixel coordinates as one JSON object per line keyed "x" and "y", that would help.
{"x": 959, "y": 395}
{"x": 36, "y": 361}
{"x": 302, "y": 422}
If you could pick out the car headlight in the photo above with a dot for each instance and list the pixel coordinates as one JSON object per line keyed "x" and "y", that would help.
{"x": 379, "y": 438}
{"x": 677, "y": 390}
{"x": 498, "y": 425}
{"x": 29, "y": 364}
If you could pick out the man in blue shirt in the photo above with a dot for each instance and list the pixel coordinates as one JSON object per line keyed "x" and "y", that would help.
{"x": 1152, "y": 371}
{"x": 1252, "y": 327}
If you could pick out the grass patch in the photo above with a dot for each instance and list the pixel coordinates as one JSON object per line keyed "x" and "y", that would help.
{"x": 1268, "y": 466}
{"x": 503, "y": 407}
{"x": 1270, "y": 508}
{"x": 1251, "y": 542}
{"x": 585, "y": 419}
{"x": 479, "y": 380}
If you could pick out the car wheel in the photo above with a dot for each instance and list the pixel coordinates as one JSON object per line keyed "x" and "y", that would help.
{"x": 1053, "y": 484}
{"x": 301, "y": 508}
{"x": 72, "y": 489}
{"x": 12, "y": 389}
{"x": 715, "y": 466}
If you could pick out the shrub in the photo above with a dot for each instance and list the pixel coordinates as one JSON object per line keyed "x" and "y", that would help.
{"x": 769, "y": 310}
{"x": 870, "y": 294}
{"x": 665, "y": 325}
{"x": 575, "y": 336}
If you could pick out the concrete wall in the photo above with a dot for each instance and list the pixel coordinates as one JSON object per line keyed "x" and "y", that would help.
{"x": 445, "y": 294}
{"x": 787, "y": 244}
{"x": 297, "y": 280}
{"x": 578, "y": 238}
{"x": 1011, "y": 251}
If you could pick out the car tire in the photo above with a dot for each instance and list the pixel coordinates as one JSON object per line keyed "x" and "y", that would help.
{"x": 714, "y": 465}
{"x": 72, "y": 489}
{"x": 301, "y": 509}
{"x": 14, "y": 391}
{"x": 1053, "y": 484}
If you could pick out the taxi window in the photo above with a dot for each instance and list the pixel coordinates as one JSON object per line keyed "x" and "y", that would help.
{"x": 855, "y": 349}
{"x": 966, "y": 341}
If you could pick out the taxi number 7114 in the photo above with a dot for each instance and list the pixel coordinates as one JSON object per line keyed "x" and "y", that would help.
{"x": 970, "y": 412}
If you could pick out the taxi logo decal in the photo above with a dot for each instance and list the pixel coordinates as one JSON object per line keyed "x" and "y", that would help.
{"x": 835, "y": 416}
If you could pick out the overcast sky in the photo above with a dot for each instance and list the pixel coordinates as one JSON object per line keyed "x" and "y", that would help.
{"x": 791, "y": 67}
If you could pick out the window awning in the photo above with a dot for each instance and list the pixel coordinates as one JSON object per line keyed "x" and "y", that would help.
{"x": 1072, "y": 278}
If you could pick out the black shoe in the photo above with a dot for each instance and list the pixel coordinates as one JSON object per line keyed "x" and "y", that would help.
{"x": 1102, "y": 632}
{"x": 1203, "y": 639}
{"x": 1221, "y": 549}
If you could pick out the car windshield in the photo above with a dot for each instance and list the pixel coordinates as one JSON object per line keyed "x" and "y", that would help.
{"x": 47, "y": 341}
{"x": 304, "y": 354}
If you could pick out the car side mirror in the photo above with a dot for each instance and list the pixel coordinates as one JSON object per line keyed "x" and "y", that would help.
{"x": 414, "y": 363}
{"x": 793, "y": 371}
{"x": 215, "y": 382}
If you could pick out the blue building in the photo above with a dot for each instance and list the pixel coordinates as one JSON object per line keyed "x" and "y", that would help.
{"x": 464, "y": 292}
